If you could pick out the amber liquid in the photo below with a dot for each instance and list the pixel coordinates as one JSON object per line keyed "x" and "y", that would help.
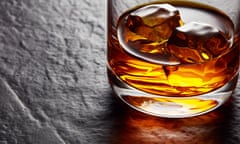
{"x": 144, "y": 71}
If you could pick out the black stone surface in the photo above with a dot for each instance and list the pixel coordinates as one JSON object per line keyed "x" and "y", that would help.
{"x": 54, "y": 89}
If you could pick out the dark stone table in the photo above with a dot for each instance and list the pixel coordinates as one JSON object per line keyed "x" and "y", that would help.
{"x": 54, "y": 89}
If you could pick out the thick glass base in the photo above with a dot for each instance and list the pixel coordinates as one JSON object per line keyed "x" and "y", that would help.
{"x": 171, "y": 107}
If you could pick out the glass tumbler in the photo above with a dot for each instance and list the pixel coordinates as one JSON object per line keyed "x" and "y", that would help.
{"x": 173, "y": 58}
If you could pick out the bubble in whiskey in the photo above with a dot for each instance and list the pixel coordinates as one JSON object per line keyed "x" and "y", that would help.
{"x": 197, "y": 42}
{"x": 145, "y": 31}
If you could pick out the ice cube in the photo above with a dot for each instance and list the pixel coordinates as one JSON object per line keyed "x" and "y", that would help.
{"x": 154, "y": 22}
{"x": 197, "y": 42}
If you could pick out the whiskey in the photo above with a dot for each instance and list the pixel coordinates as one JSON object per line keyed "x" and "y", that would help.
{"x": 173, "y": 57}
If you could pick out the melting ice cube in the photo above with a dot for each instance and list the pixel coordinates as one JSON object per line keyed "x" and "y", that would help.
{"x": 197, "y": 42}
{"x": 154, "y": 22}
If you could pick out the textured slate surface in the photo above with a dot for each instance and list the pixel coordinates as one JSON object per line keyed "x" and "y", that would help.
{"x": 54, "y": 90}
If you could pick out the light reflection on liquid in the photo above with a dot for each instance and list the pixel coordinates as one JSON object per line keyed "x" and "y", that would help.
{"x": 136, "y": 128}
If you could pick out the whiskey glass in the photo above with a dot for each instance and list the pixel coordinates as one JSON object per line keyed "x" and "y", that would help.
{"x": 173, "y": 58}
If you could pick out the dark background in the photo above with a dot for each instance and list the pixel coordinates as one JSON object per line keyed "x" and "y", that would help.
{"x": 54, "y": 89}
